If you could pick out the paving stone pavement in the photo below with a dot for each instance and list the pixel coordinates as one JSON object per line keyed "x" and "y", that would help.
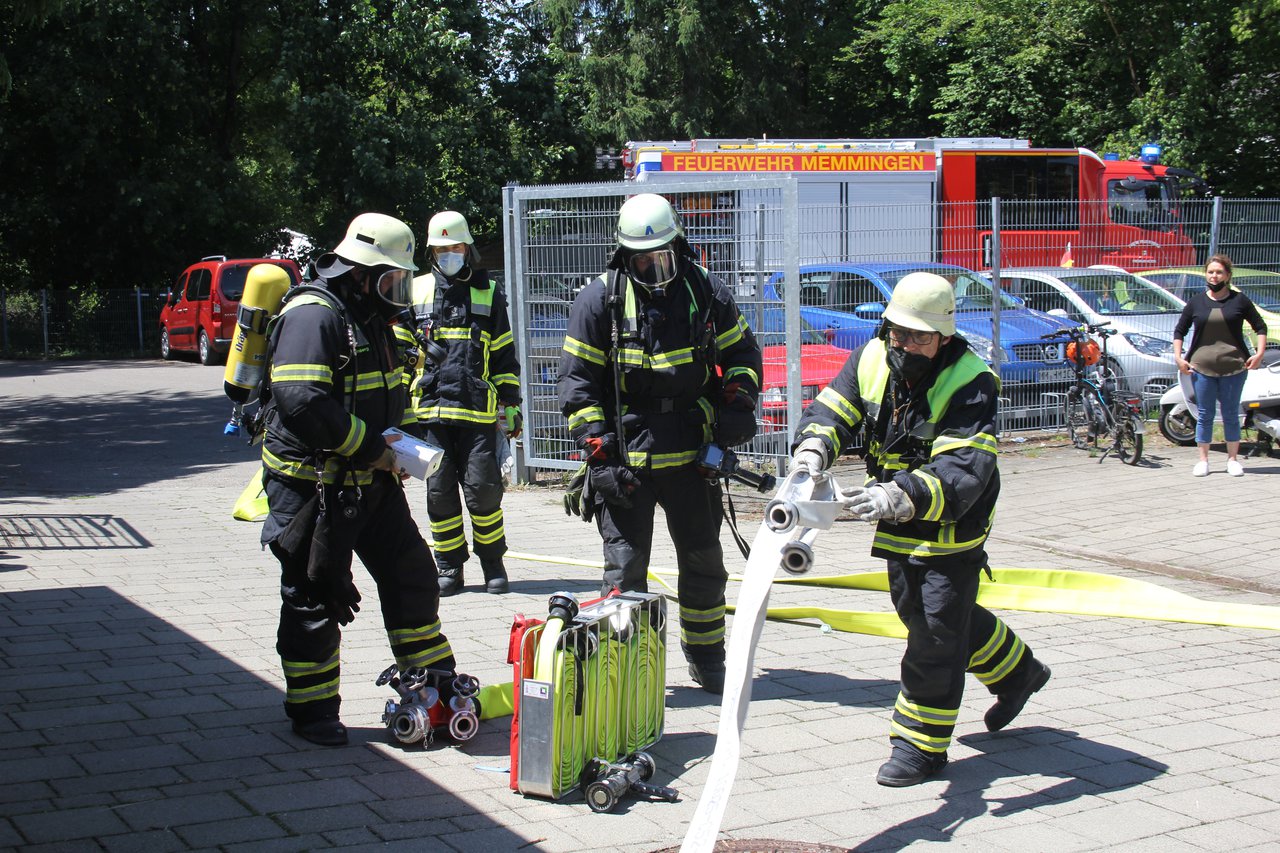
{"x": 141, "y": 695}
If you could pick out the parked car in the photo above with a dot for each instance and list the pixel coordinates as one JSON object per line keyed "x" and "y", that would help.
{"x": 199, "y": 314}
{"x": 1261, "y": 286}
{"x": 1142, "y": 313}
{"x": 848, "y": 299}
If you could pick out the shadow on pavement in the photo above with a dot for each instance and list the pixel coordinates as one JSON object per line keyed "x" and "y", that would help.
{"x": 1087, "y": 769}
{"x": 107, "y": 430}
{"x": 121, "y": 729}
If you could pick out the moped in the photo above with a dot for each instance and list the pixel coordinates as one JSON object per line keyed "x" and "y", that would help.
{"x": 1259, "y": 410}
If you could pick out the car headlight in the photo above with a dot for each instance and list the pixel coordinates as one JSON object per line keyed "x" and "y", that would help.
{"x": 979, "y": 344}
{"x": 1148, "y": 345}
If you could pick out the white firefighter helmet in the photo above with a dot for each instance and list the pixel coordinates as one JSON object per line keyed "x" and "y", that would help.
{"x": 375, "y": 239}
{"x": 447, "y": 228}
{"x": 924, "y": 301}
{"x": 647, "y": 221}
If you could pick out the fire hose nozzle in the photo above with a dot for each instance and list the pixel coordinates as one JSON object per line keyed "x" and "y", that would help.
{"x": 797, "y": 557}
{"x": 780, "y": 516}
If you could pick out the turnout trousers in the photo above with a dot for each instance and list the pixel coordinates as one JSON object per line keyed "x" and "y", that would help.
{"x": 470, "y": 461}
{"x": 692, "y": 507}
{"x": 392, "y": 550}
{"x": 948, "y": 634}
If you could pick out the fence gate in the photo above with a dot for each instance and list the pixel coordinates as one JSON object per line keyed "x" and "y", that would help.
{"x": 558, "y": 238}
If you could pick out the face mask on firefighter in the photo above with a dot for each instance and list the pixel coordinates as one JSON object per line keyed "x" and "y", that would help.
{"x": 451, "y": 263}
{"x": 393, "y": 287}
{"x": 652, "y": 269}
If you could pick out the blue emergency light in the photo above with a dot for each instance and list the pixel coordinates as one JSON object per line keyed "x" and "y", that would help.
{"x": 1111, "y": 155}
{"x": 1151, "y": 153}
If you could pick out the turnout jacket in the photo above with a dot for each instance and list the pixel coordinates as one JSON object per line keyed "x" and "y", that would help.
{"x": 336, "y": 382}
{"x": 469, "y": 320}
{"x": 937, "y": 441}
{"x": 673, "y": 354}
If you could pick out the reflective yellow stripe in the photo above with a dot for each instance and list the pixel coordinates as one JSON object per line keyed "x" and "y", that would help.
{"x": 920, "y": 548}
{"x": 451, "y": 544}
{"x": 355, "y": 437}
{"x": 504, "y": 379}
{"x": 925, "y": 714}
{"x": 937, "y": 500}
{"x": 981, "y": 441}
{"x": 688, "y": 614}
{"x": 455, "y": 413}
{"x": 709, "y": 638}
{"x": 458, "y": 333}
{"x": 584, "y": 351}
{"x": 921, "y": 741}
{"x": 301, "y": 668}
{"x": 584, "y": 416}
{"x": 1006, "y": 666}
{"x": 312, "y": 693}
{"x": 372, "y": 381}
{"x": 491, "y": 518}
{"x": 400, "y": 636}
{"x": 426, "y": 657}
{"x": 747, "y": 372}
{"x": 984, "y": 654}
{"x": 829, "y": 433}
{"x": 490, "y": 537}
{"x": 731, "y": 336}
{"x": 319, "y": 374}
{"x": 334, "y": 470}
{"x": 671, "y": 460}
{"x": 446, "y": 525}
{"x": 838, "y": 403}
{"x": 503, "y": 340}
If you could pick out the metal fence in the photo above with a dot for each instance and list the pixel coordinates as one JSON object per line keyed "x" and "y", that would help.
{"x": 62, "y": 323}
{"x": 761, "y": 234}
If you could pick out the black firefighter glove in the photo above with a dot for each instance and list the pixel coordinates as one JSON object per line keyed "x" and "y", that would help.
{"x": 608, "y": 477}
{"x": 735, "y": 417}
{"x": 329, "y": 565}
{"x": 579, "y": 499}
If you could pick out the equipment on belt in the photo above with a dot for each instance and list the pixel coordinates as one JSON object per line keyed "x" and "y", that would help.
{"x": 590, "y": 688}
{"x": 423, "y": 708}
{"x": 264, "y": 290}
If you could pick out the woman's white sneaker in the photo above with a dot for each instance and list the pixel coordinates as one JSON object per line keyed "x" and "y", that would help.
{"x": 1201, "y": 469}
{"x": 1234, "y": 468}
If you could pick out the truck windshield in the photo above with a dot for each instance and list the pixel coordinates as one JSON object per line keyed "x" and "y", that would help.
{"x": 1148, "y": 204}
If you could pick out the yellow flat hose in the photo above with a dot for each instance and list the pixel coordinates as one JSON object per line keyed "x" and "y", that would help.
{"x": 252, "y": 503}
{"x": 495, "y": 701}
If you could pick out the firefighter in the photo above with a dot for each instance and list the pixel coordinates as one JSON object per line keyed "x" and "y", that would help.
{"x": 925, "y": 404}
{"x": 335, "y": 385}
{"x": 658, "y": 362}
{"x": 469, "y": 369}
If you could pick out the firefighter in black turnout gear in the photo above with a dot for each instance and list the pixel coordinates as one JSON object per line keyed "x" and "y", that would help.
{"x": 927, "y": 407}
{"x": 657, "y": 363}
{"x": 468, "y": 370}
{"x": 336, "y": 382}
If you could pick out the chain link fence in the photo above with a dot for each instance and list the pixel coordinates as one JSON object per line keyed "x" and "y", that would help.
{"x": 82, "y": 324}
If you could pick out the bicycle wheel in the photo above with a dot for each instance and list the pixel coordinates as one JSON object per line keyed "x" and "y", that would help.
{"x": 1128, "y": 440}
{"x": 1075, "y": 420}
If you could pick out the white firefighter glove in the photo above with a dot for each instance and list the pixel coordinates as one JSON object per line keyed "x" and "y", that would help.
{"x": 811, "y": 455}
{"x": 880, "y": 502}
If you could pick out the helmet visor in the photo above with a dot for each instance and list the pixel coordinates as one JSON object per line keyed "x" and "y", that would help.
{"x": 393, "y": 286}
{"x": 652, "y": 269}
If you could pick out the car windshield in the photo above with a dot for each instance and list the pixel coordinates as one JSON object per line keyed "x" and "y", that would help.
{"x": 1113, "y": 292}
{"x": 973, "y": 293}
{"x": 1263, "y": 288}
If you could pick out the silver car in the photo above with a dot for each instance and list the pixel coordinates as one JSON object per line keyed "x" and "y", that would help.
{"x": 1143, "y": 314}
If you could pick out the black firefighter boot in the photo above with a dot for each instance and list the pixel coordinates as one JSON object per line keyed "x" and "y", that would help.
{"x": 909, "y": 766}
{"x": 495, "y": 576}
{"x": 707, "y": 673}
{"x": 450, "y": 579}
{"x": 1009, "y": 704}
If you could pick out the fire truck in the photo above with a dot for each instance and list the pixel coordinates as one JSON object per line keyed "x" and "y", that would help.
{"x": 930, "y": 199}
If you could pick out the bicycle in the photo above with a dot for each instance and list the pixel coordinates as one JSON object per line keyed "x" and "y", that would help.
{"x": 1095, "y": 409}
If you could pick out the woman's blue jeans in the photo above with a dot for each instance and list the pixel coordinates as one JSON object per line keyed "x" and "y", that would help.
{"x": 1215, "y": 391}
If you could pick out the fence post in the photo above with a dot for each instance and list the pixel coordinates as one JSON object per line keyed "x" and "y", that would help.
{"x": 996, "y": 352}
{"x": 137, "y": 293}
{"x": 44, "y": 318}
{"x": 4, "y": 316}
{"x": 1214, "y": 225}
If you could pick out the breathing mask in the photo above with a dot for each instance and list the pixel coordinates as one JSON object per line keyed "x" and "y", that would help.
{"x": 910, "y": 367}
{"x": 654, "y": 269}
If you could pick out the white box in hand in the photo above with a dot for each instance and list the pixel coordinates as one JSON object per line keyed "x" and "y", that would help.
{"x": 413, "y": 455}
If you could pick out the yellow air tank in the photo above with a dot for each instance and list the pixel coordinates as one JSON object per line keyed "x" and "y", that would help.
{"x": 264, "y": 290}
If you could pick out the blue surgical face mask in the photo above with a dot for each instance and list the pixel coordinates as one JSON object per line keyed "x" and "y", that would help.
{"x": 451, "y": 263}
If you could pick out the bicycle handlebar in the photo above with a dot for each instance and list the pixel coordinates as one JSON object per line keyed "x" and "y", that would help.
{"x": 1078, "y": 332}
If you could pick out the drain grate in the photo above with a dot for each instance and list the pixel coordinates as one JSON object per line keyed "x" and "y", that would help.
{"x": 64, "y": 532}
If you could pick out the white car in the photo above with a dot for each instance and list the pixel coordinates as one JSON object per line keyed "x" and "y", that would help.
{"x": 1143, "y": 314}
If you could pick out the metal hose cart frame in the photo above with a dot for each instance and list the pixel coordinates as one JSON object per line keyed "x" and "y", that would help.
{"x": 591, "y": 687}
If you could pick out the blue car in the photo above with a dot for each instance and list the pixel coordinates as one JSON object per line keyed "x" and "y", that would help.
{"x": 847, "y": 300}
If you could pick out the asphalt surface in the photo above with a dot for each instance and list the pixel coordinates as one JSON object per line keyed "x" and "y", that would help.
{"x": 141, "y": 694}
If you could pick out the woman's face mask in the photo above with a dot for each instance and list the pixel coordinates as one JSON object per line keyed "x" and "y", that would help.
{"x": 451, "y": 263}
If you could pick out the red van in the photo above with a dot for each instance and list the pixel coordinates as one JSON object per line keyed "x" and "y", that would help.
{"x": 199, "y": 314}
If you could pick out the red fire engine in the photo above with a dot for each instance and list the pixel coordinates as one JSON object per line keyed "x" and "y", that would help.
{"x": 1057, "y": 204}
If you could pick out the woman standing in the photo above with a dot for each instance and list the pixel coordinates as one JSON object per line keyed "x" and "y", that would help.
{"x": 1219, "y": 357}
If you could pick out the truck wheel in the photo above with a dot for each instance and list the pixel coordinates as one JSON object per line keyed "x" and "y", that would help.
{"x": 166, "y": 352}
